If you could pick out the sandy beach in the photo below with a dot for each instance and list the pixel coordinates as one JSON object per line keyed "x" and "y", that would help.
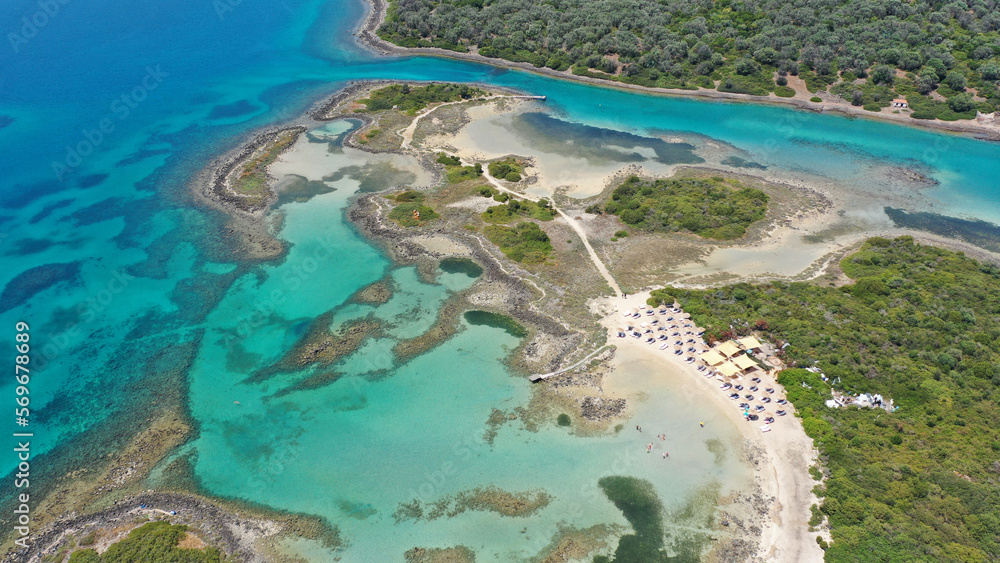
{"x": 788, "y": 451}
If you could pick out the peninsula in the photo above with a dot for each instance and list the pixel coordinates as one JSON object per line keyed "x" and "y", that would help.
{"x": 902, "y": 72}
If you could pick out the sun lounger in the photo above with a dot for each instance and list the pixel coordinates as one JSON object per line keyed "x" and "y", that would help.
{"x": 765, "y": 428}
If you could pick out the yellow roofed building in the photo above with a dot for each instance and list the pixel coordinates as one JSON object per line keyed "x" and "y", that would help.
{"x": 728, "y": 348}
{"x": 712, "y": 358}
{"x": 728, "y": 369}
{"x": 744, "y": 363}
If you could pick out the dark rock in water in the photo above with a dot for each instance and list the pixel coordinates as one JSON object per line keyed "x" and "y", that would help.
{"x": 234, "y": 109}
{"x": 91, "y": 180}
{"x": 465, "y": 266}
{"x": 738, "y": 162}
{"x": 597, "y": 408}
{"x": 49, "y": 209}
{"x": 599, "y": 144}
{"x": 5, "y": 120}
{"x": 35, "y": 280}
{"x": 974, "y": 231}
{"x": 21, "y": 195}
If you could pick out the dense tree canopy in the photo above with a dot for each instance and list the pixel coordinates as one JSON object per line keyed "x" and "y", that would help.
{"x": 920, "y": 325}
{"x": 732, "y": 45}
{"x": 710, "y": 207}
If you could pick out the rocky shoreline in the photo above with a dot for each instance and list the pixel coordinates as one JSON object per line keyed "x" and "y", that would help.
{"x": 237, "y": 535}
{"x": 549, "y": 343}
{"x": 985, "y": 128}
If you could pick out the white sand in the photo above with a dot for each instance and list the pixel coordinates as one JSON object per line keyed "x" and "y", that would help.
{"x": 789, "y": 451}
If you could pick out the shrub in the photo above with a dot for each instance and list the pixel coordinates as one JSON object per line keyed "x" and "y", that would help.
{"x": 448, "y": 160}
{"x": 412, "y": 214}
{"x": 815, "y": 99}
{"x": 508, "y": 169}
{"x": 784, "y": 92}
{"x": 155, "y": 541}
{"x": 414, "y": 98}
{"x": 525, "y": 242}
{"x": 713, "y": 208}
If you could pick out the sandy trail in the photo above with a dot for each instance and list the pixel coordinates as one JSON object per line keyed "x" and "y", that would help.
{"x": 407, "y": 132}
{"x": 572, "y": 224}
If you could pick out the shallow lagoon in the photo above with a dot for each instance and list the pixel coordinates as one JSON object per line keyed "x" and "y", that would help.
{"x": 386, "y": 434}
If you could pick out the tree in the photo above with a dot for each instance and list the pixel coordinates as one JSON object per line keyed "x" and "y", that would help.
{"x": 927, "y": 83}
{"x": 766, "y": 56}
{"x": 961, "y": 103}
{"x": 955, "y": 80}
{"x": 990, "y": 71}
{"x": 883, "y": 74}
{"x": 745, "y": 67}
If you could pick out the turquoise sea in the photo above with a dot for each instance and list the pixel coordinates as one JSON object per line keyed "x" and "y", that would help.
{"x": 108, "y": 108}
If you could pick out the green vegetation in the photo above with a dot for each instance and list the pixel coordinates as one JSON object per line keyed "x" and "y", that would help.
{"x": 563, "y": 420}
{"x": 156, "y": 541}
{"x": 732, "y": 45}
{"x": 455, "y": 172}
{"x": 252, "y": 179}
{"x": 525, "y": 242}
{"x": 367, "y": 136}
{"x": 815, "y": 99}
{"x": 508, "y": 169}
{"x": 920, "y": 325}
{"x": 515, "y": 208}
{"x": 458, "y": 174}
{"x": 412, "y": 99}
{"x": 714, "y": 208}
{"x": 411, "y": 212}
{"x": 448, "y": 160}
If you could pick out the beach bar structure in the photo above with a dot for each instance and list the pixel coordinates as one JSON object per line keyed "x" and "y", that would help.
{"x": 744, "y": 363}
{"x": 728, "y": 349}
{"x": 728, "y": 369}
{"x": 749, "y": 343}
{"x": 712, "y": 358}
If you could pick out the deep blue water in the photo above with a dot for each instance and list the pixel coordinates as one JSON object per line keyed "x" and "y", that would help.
{"x": 108, "y": 107}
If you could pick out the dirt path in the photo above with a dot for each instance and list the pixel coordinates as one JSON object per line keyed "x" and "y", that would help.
{"x": 573, "y": 225}
{"x": 407, "y": 132}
